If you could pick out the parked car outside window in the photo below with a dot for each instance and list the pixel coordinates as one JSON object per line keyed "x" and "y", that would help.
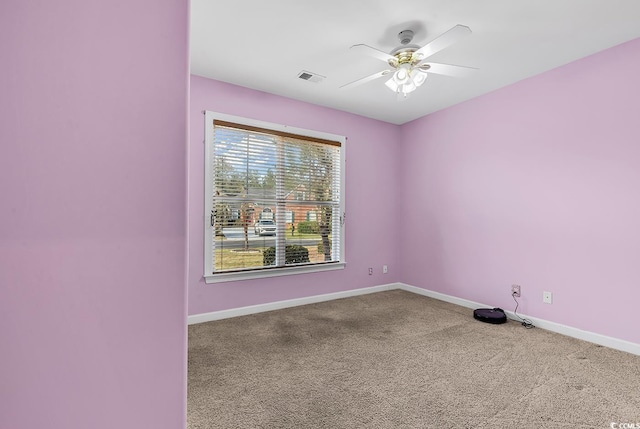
{"x": 265, "y": 227}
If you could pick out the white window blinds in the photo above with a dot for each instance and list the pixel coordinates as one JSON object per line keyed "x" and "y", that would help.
{"x": 274, "y": 197}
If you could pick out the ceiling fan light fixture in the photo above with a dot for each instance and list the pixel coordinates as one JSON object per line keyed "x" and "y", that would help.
{"x": 419, "y": 77}
{"x": 402, "y": 74}
{"x": 406, "y": 79}
{"x": 408, "y": 87}
{"x": 391, "y": 84}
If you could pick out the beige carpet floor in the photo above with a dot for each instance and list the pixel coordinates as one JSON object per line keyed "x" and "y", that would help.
{"x": 399, "y": 360}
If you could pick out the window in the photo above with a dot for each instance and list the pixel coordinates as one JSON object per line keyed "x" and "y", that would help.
{"x": 262, "y": 181}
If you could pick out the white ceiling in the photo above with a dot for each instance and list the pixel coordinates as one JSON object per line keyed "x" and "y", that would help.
{"x": 264, "y": 45}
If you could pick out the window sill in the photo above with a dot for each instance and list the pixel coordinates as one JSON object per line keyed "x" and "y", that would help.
{"x": 273, "y": 272}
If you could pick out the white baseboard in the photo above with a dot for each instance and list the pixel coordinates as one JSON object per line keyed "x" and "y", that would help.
{"x": 603, "y": 340}
{"x": 569, "y": 331}
{"x": 441, "y": 296}
{"x": 260, "y": 308}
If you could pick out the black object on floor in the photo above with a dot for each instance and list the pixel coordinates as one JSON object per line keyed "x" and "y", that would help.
{"x": 490, "y": 315}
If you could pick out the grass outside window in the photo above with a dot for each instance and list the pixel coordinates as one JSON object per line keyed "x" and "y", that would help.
{"x": 232, "y": 259}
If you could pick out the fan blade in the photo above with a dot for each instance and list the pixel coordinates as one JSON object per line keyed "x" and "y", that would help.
{"x": 447, "y": 69}
{"x": 444, "y": 40}
{"x": 366, "y": 79}
{"x": 373, "y": 52}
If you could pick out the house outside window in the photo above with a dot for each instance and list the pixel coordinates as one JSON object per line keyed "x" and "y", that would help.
{"x": 262, "y": 180}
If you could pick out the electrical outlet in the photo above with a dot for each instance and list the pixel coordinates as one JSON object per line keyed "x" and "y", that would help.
{"x": 370, "y": 271}
{"x": 547, "y": 297}
{"x": 385, "y": 270}
{"x": 515, "y": 290}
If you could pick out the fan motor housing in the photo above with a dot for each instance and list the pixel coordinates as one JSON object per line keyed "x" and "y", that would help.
{"x": 405, "y": 55}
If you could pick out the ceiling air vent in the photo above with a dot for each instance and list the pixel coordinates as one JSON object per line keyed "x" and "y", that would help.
{"x": 311, "y": 77}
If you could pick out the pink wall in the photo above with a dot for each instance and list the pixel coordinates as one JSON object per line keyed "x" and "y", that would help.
{"x": 92, "y": 220}
{"x": 371, "y": 197}
{"x": 534, "y": 184}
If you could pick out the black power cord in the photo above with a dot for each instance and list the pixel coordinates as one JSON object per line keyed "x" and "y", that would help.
{"x": 525, "y": 322}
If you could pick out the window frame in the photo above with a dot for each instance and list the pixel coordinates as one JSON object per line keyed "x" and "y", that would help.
{"x": 209, "y": 231}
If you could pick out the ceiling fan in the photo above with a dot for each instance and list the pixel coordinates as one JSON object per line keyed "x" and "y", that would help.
{"x": 409, "y": 69}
